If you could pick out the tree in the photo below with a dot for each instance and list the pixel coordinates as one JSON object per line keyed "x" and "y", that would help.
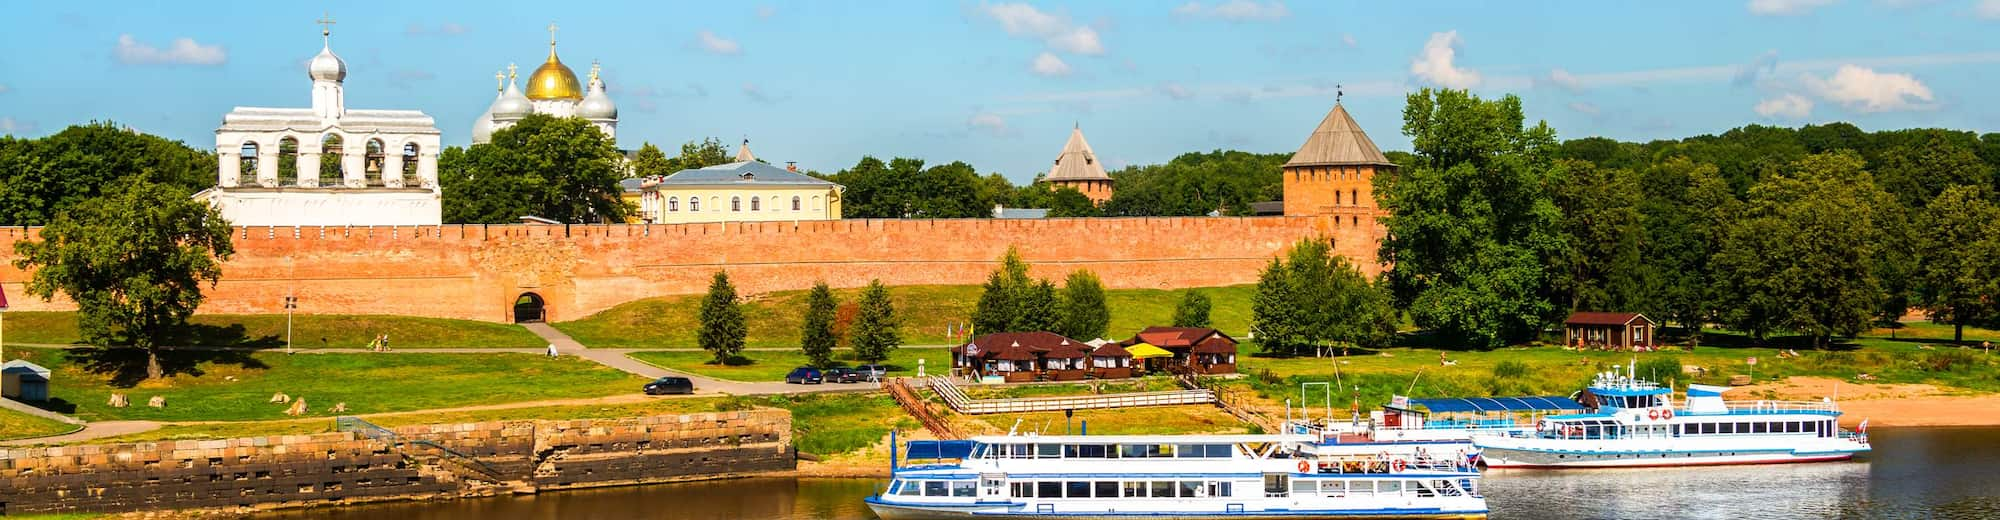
{"x": 1036, "y": 306}
{"x": 1011, "y": 301}
{"x": 132, "y": 259}
{"x": 1603, "y": 223}
{"x": 649, "y": 161}
{"x": 1959, "y": 247}
{"x": 1274, "y": 315}
{"x": 1686, "y": 210}
{"x": 1084, "y": 313}
{"x": 875, "y": 330}
{"x": 700, "y": 154}
{"x": 1197, "y": 183}
{"x": 1067, "y": 202}
{"x": 995, "y": 310}
{"x": 1800, "y": 256}
{"x": 904, "y": 188}
{"x": 1475, "y": 243}
{"x": 721, "y": 316}
{"x": 562, "y": 169}
{"x": 1193, "y": 310}
{"x": 818, "y": 339}
{"x": 1918, "y": 171}
{"x": 43, "y": 178}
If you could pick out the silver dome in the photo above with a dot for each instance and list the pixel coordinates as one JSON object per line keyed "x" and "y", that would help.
{"x": 326, "y": 66}
{"x": 512, "y": 104}
{"x": 597, "y": 105}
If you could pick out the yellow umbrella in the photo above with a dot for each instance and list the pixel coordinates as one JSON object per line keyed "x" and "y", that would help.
{"x": 1145, "y": 351}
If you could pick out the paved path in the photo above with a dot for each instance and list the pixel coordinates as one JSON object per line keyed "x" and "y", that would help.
{"x": 96, "y": 430}
{"x": 617, "y": 358}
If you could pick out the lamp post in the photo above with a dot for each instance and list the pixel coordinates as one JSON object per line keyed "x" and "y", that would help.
{"x": 291, "y": 302}
{"x": 3, "y": 325}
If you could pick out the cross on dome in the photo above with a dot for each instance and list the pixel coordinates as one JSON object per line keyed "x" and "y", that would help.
{"x": 552, "y": 34}
{"x": 325, "y": 22}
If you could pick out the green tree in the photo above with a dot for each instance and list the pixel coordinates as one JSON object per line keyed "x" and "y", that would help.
{"x": 1799, "y": 257}
{"x": 700, "y": 154}
{"x": 1192, "y": 310}
{"x": 649, "y": 161}
{"x": 1602, "y": 218}
{"x": 1067, "y": 202}
{"x": 43, "y": 178}
{"x": 995, "y": 310}
{"x": 1037, "y": 308}
{"x": 1475, "y": 243}
{"x": 132, "y": 259}
{"x": 1194, "y": 184}
{"x": 1084, "y": 314}
{"x": 1687, "y": 209}
{"x": 817, "y": 339}
{"x": 1011, "y": 301}
{"x": 1959, "y": 248}
{"x": 875, "y": 329}
{"x": 1917, "y": 171}
{"x": 331, "y": 168}
{"x": 1274, "y": 315}
{"x": 722, "y": 328}
{"x": 562, "y": 169}
{"x": 1329, "y": 302}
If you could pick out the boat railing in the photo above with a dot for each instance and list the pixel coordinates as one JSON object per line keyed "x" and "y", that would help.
{"x": 1748, "y": 407}
{"x": 1861, "y": 437}
{"x": 1385, "y": 465}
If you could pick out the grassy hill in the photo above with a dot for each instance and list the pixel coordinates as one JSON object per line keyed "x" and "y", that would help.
{"x": 308, "y": 331}
{"x": 774, "y": 318}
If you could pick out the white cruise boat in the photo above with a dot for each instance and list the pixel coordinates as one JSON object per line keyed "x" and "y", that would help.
{"x": 1634, "y": 424}
{"x": 1170, "y": 477}
{"x": 1435, "y": 426}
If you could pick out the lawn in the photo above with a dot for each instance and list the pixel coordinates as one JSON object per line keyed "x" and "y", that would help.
{"x": 229, "y": 430}
{"x": 827, "y": 424}
{"x": 308, "y": 331}
{"x": 1151, "y": 420}
{"x": 236, "y": 386}
{"x": 774, "y": 319}
{"x": 17, "y": 425}
{"x": 770, "y": 365}
{"x": 1146, "y": 384}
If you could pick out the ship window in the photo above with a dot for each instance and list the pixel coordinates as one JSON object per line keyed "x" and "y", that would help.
{"x": 1220, "y": 451}
{"x": 894, "y": 485}
{"x": 1023, "y": 451}
{"x": 1333, "y": 488}
{"x": 1048, "y": 489}
{"x": 1792, "y": 427}
{"x": 933, "y": 488}
{"x": 1361, "y": 487}
{"x": 910, "y": 489}
{"x": 1078, "y": 489}
{"x": 1087, "y": 451}
{"x": 1190, "y": 488}
{"x": 1422, "y": 488}
{"x": 1758, "y": 427}
{"x": 1106, "y": 489}
{"x": 963, "y": 489}
{"x": 1221, "y": 489}
{"x": 1303, "y": 487}
{"x": 1135, "y": 489}
{"x": 1468, "y": 486}
{"x": 1389, "y": 487}
{"x": 1163, "y": 489}
{"x": 1048, "y": 451}
{"x": 1188, "y": 451}
{"x": 1021, "y": 489}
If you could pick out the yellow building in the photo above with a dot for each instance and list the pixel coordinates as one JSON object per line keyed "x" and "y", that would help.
{"x": 747, "y": 190}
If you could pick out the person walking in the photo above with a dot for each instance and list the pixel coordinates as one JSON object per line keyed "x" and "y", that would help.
{"x": 552, "y": 350}
{"x": 375, "y": 345}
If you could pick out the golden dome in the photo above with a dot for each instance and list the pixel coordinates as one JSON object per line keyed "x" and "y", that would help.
{"x": 553, "y": 80}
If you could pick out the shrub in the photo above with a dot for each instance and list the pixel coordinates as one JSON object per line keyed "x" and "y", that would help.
{"x": 1509, "y": 369}
{"x": 1946, "y": 360}
{"x": 1661, "y": 369}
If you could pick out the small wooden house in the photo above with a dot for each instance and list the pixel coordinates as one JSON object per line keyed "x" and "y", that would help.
{"x": 1610, "y": 330}
{"x": 1201, "y": 350}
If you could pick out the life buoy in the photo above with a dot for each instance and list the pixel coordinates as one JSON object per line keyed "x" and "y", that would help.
{"x": 1667, "y": 414}
{"x": 1653, "y": 414}
{"x": 1400, "y": 465}
{"x": 1305, "y": 467}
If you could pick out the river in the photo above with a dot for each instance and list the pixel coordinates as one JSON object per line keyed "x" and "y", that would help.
{"x": 1942, "y": 473}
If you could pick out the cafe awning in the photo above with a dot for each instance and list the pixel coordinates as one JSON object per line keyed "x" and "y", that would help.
{"x": 1147, "y": 351}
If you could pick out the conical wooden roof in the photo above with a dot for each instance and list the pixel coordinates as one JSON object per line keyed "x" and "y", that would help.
{"x": 1077, "y": 161}
{"x": 1337, "y": 142}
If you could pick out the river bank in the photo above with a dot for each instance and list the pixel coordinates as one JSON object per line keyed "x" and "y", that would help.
{"x": 1899, "y": 405}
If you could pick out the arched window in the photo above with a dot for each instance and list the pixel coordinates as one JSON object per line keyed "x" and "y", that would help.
{"x": 410, "y": 154}
{"x": 1354, "y": 197}
{"x": 288, "y": 161}
{"x": 372, "y": 161}
{"x": 246, "y": 170}
{"x": 753, "y": 204}
{"x": 795, "y": 203}
{"x": 816, "y": 206}
{"x": 673, "y": 203}
{"x": 331, "y": 147}
{"x": 1336, "y": 197}
{"x": 735, "y": 203}
{"x": 694, "y": 203}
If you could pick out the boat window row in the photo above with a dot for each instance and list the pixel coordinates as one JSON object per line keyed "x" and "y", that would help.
{"x": 1122, "y": 489}
{"x": 1823, "y": 428}
{"x": 1106, "y": 451}
{"x": 1339, "y": 488}
{"x": 1630, "y": 401}
{"x": 931, "y": 488}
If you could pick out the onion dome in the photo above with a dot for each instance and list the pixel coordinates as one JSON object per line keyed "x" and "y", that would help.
{"x": 482, "y": 128}
{"x": 326, "y": 66}
{"x": 553, "y": 80}
{"x": 597, "y": 105}
{"x": 512, "y": 105}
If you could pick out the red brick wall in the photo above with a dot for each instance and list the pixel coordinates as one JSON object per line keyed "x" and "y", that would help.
{"x": 476, "y": 272}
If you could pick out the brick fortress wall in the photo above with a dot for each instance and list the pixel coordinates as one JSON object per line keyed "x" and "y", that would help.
{"x": 477, "y": 272}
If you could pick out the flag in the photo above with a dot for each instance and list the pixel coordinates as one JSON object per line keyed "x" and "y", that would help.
{"x": 3, "y": 298}
{"x": 1753, "y": 360}
{"x": 1863, "y": 428}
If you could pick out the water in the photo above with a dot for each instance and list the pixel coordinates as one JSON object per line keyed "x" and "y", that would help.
{"x": 1941, "y": 473}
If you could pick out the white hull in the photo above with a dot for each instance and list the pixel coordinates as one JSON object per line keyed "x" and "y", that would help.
{"x": 921, "y": 512}
{"x": 1510, "y": 458}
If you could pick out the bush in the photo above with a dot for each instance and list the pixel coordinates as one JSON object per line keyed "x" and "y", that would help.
{"x": 1509, "y": 369}
{"x": 1661, "y": 369}
{"x": 1946, "y": 360}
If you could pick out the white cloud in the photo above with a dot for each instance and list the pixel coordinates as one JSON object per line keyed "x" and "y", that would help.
{"x": 756, "y": 93}
{"x": 1765, "y": 64}
{"x": 1788, "y": 106}
{"x": 1785, "y": 7}
{"x": 10, "y": 126}
{"x": 1235, "y": 10}
{"x": 1047, "y": 64}
{"x": 990, "y": 123}
{"x": 1435, "y": 64}
{"x": 765, "y": 11}
{"x": 1562, "y": 78}
{"x": 1176, "y": 90}
{"x": 1988, "y": 9}
{"x": 184, "y": 51}
{"x": 708, "y": 41}
{"x": 1585, "y": 108}
{"x": 1864, "y": 90}
{"x": 1349, "y": 40}
{"x": 451, "y": 28}
{"x": 1058, "y": 32}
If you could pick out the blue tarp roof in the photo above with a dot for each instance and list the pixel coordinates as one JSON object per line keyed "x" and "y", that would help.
{"x": 939, "y": 449}
{"x": 1497, "y": 404}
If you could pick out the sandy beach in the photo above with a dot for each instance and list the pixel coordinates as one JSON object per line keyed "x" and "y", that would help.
{"x": 1885, "y": 404}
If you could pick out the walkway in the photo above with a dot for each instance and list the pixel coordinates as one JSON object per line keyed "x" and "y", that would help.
{"x": 617, "y": 358}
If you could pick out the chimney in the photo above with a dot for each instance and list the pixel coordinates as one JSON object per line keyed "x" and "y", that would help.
{"x": 792, "y": 166}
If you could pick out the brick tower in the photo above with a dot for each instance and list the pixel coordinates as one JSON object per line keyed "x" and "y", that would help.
{"x": 1077, "y": 167}
{"x": 1331, "y": 173}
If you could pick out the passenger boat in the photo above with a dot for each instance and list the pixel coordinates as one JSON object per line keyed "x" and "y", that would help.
{"x": 1170, "y": 476}
{"x": 1634, "y": 424}
{"x": 1436, "y": 426}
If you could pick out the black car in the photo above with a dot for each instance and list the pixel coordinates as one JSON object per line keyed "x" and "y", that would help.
{"x": 670, "y": 385}
{"x": 844, "y": 375}
{"x": 805, "y": 376}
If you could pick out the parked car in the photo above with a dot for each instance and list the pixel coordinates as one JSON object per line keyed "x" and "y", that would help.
{"x": 844, "y": 375}
{"x": 670, "y": 385}
{"x": 873, "y": 372}
{"x": 805, "y": 376}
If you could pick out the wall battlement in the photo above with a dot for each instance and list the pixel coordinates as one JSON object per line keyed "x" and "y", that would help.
{"x": 478, "y": 271}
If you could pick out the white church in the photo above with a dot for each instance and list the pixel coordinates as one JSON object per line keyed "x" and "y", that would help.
{"x": 552, "y": 90}
{"x": 327, "y": 165}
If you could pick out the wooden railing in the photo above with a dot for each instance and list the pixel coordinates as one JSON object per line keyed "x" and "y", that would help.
{"x": 965, "y": 404}
{"x": 917, "y": 407}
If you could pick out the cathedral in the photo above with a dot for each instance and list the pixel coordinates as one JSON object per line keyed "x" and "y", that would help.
{"x": 327, "y": 165}
{"x": 552, "y": 90}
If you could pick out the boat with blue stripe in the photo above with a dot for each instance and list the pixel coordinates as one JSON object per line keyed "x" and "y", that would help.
{"x": 1634, "y": 423}
{"x": 1090, "y": 477}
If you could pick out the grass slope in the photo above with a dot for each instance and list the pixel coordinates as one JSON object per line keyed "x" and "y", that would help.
{"x": 774, "y": 319}
{"x": 17, "y": 425}
{"x": 764, "y": 365}
{"x": 308, "y": 331}
{"x": 235, "y": 386}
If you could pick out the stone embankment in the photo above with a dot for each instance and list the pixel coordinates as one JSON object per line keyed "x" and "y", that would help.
{"x": 366, "y": 464}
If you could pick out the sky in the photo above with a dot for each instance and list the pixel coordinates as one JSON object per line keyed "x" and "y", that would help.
{"x": 999, "y": 84}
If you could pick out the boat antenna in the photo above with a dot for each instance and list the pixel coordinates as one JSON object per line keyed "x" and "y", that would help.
{"x": 1015, "y": 427}
{"x": 1413, "y": 382}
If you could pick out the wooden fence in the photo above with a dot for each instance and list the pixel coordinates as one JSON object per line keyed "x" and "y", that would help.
{"x": 964, "y": 404}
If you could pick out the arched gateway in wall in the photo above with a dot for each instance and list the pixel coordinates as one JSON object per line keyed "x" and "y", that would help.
{"x": 530, "y": 308}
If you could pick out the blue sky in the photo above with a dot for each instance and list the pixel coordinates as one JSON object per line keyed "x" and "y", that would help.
{"x": 998, "y": 84}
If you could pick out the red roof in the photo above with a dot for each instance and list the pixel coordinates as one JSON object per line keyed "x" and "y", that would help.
{"x": 1217, "y": 344}
{"x": 1110, "y": 350}
{"x": 1065, "y": 351}
{"x": 991, "y": 345}
{"x": 1605, "y": 318}
{"x": 1177, "y": 337}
